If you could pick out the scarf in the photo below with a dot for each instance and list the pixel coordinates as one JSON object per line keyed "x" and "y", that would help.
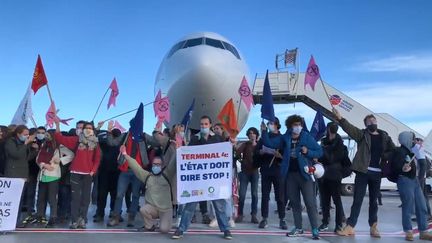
{"x": 87, "y": 142}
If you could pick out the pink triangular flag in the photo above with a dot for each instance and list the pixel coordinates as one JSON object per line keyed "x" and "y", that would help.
{"x": 312, "y": 74}
{"x": 155, "y": 103}
{"x": 246, "y": 94}
{"x": 114, "y": 93}
{"x": 161, "y": 107}
{"x": 119, "y": 126}
{"x": 51, "y": 116}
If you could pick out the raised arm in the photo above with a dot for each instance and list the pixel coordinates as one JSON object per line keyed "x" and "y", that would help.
{"x": 352, "y": 131}
{"x": 139, "y": 172}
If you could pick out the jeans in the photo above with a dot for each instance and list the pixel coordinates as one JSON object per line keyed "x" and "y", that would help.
{"x": 219, "y": 207}
{"x": 330, "y": 189}
{"x": 124, "y": 179}
{"x": 279, "y": 187}
{"x": 228, "y": 210}
{"x": 411, "y": 196}
{"x": 244, "y": 181}
{"x": 372, "y": 180}
{"x": 81, "y": 193}
{"x": 297, "y": 185}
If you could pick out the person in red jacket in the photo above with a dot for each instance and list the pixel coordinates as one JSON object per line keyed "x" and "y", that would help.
{"x": 84, "y": 165}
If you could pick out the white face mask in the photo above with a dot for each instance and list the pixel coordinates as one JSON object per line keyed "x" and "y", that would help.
{"x": 78, "y": 131}
{"x": 297, "y": 129}
{"x": 205, "y": 130}
{"x": 40, "y": 136}
{"x": 182, "y": 134}
{"x": 271, "y": 128}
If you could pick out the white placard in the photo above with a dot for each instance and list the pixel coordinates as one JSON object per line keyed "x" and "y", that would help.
{"x": 204, "y": 172}
{"x": 10, "y": 196}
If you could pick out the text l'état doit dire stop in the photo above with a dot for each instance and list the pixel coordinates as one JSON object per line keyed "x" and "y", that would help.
{"x": 199, "y": 165}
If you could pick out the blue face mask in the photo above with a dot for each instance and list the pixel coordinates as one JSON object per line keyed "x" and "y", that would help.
{"x": 156, "y": 170}
{"x": 205, "y": 131}
{"x": 23, "y": 138}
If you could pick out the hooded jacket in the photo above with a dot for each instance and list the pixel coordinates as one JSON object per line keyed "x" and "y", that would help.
{"x": 284, "y": 143}
{"x": 363, "y": 139}
{"x": 335, "y": 154}
{"x": 399, "y": 156}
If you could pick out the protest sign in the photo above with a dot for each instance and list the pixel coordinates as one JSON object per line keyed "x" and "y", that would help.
{"x": 204, "y": 172}
{"x": 10, "y": 195}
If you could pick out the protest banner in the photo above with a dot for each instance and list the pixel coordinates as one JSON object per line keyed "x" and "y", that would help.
{"x": 10, "y": 195}
{"x": 204, "y": 172}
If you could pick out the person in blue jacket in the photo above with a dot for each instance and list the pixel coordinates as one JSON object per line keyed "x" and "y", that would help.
{"x": 299, "y": 150}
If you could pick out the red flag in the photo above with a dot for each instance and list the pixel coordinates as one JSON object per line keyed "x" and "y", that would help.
{"x": 162, "y": 107}
{"x": 312, "y": 74}
{"x": 246, "y": 94}
{"x": 114, "y": 93}
{"x": 51, "y": 116}
{"x": 39, "y": 77}
{"x": 228, "y": 118}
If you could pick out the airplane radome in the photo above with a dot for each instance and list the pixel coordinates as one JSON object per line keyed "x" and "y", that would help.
{"x": 205, "y": 66}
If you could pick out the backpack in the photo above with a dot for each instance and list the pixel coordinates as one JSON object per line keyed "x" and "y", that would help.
{"x": 387, "y": 170}
{"x": 346, "y": 164}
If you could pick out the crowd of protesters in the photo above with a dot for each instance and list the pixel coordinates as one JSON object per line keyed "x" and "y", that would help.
{"x": 69, "y": 170}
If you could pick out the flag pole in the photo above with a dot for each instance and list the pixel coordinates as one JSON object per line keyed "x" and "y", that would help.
{"x": 106, "y": 92}
{"x": 325, "y": 90}
{"x": 127, "y": 112}
{"x": 33, "y": 121}
{"x": 49, "y": 93}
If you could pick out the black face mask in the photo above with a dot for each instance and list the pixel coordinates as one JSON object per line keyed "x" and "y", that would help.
{"x": 333, "y": 129}
{"x": 116, "y": 133}
{"x": 372, "y": 127}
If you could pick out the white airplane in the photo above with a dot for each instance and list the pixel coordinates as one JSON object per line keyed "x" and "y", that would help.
{"x": 204, "y": 66}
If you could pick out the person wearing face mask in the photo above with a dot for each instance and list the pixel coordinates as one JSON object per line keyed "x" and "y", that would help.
{"x": 249, "y": 174}
{"x": 108, "y": 174}
{"x": 138, "y": 151}
{"x": 19, "y": 148}
{"x": 373, "y": 147}
{"x": 159, "y": 182}
{"x": 335, "y": 157}
{"x": 403, "y": 164}
{"x": 299, "y": 150}
{"x": 49, "y": 158}
{"x": 269, "y": 161}
{"x": 204, "y": 137}
{"x": 83, "y": 166}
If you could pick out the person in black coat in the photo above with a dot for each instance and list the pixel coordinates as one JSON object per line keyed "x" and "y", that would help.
{"x": 334, "y": 157}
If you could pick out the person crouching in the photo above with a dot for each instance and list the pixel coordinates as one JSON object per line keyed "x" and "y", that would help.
{"x": 158, "y": 197}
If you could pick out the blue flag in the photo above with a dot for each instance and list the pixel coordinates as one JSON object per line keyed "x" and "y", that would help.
{"x": 267, "y": 110}
{"x": 188, "y": 116}
{"x": 318, "y": 128}
{"x": 137, "y": 124}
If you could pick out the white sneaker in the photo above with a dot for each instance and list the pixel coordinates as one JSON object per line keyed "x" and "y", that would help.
{"x": 213, "y": 223}
{"x": 231, "y": 223}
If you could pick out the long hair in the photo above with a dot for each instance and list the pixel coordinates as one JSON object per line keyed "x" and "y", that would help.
{"x": 19, "y": 129}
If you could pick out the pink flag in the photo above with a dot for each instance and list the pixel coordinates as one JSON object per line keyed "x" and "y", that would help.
{"x": 312, "y": 74}
{"x": 119, "y": 126}
{"x": 162, "y": 107}
{"x": 159, "y": 124}
{"x": 157, "y": 99}
{"x": 51, "y": 116}
{"x": 114, "y": 93}
{"x": 246, "y": 93}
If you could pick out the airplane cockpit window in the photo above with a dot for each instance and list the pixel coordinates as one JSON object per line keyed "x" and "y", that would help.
{"x": 232, "y": 49}
{"x": 214, "y": 43}
{"x": 193, "y": 42}
{"x": 204, "y": 41}
{"x": 176, "y": 47}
